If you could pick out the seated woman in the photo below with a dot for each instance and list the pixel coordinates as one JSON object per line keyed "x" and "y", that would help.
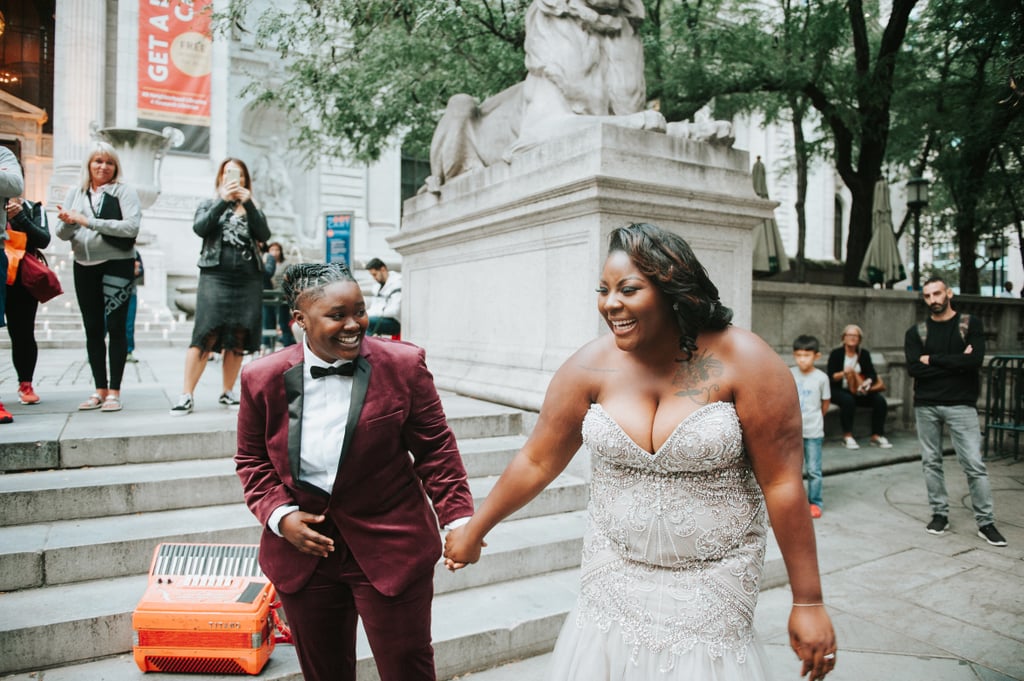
{"x": 850, "y": 364}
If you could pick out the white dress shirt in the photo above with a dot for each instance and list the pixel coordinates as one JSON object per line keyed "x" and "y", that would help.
{"x": 325, "y": 405}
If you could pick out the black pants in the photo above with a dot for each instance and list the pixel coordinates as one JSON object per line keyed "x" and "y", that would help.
{"x": 21, "y": 327}
{"x": 848, "y": 404}
{"x": 103, "y": 291}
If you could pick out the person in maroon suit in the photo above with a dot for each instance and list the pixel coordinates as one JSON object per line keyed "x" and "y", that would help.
{"x": 345, "y": 455}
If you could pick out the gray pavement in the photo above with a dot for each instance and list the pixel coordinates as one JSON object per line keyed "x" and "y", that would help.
{"x": 906, "y": 604}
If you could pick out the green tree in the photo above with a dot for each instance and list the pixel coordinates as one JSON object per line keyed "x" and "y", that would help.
{"x": 841, "y": 59}
{"x": 359, "y": 74}
{"x": 973, "y": 126}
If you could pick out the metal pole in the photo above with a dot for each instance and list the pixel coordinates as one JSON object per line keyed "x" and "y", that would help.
{"x": 917, "y": 250}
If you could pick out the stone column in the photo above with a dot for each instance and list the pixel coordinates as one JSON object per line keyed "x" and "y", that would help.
{"x": 79, "y": 75}
{"x": 499, "y": 270}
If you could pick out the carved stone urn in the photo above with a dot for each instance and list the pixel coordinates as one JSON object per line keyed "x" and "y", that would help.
{"x": 141, "y": 152}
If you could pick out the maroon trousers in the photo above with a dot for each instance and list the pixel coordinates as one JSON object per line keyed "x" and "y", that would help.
{"x": 322, "y": 616}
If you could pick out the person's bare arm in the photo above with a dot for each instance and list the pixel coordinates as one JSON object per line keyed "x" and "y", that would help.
{"x": 769, "y": 411}
{"x": 555, "y": 439}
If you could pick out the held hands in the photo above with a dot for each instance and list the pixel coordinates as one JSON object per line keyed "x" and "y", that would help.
{"x": 460, "y": 550}
{"x": 295, "y": 527}
{"x": 813, "y": 640}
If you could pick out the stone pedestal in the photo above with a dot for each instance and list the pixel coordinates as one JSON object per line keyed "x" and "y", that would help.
{"x": 499, "y": 269}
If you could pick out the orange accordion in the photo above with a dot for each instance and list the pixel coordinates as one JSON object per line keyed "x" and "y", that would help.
{"x": 208, "y": 608}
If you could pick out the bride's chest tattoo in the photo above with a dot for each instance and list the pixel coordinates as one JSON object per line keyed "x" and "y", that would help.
{"x": 699, "y": 378}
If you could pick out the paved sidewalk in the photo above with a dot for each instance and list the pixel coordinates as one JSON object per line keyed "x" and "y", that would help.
{"x": 907, "y": 605}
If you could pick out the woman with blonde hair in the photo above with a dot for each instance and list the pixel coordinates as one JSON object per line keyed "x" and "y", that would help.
{"x": 229, "y": 301}
{"x": 852, "y": 374}
{"x": 101, "y": 218}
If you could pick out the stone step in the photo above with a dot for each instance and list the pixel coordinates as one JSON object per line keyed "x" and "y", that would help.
{"x": 145, "y": 433}
{"x": 65, "y": 551}
{"x": 68, "y": 494}
{"x": 476, "y": 624}
{"x": 95, "y": 492}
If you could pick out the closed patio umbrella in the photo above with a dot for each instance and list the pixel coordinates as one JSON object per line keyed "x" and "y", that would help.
{"x": 882, "y": 263}
{"x": 769, "y": 251}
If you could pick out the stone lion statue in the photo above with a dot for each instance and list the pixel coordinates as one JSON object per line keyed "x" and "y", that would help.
{"x": 584, "y": 61}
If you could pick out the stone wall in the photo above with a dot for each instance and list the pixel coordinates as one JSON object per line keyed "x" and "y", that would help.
{"x": 782, "y": 311}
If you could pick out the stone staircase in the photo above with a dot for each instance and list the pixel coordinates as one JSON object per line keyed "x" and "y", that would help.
{"x": 59, "y": 321}
{"x": 59, "y": 325}
{"x": 77, "y": 536}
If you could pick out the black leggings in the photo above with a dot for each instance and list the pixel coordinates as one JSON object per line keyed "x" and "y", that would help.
{"x": 103, "y": 291}
{"x": 21, "y": 327}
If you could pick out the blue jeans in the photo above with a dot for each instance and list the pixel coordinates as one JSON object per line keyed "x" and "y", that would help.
{"x": 812, "y": 464}
{"x": 966, "y": 435}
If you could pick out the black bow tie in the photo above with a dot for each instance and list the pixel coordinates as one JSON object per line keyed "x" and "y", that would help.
{"x": 346, "y": 369}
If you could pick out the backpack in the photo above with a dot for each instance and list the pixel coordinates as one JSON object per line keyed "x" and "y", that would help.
{"x": 965, "y": 321}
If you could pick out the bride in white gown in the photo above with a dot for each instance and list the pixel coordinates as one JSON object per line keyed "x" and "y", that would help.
{"x": 694, "y": 432}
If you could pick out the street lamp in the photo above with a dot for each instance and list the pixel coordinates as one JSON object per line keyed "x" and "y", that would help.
{"x": 917, "y": 199}
{"x": 994, "y": 251}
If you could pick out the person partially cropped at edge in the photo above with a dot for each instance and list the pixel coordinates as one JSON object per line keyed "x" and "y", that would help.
{"x": 695, "y": 436}
{"x": 345, "y": 457}
{"x": 12, "y": 184}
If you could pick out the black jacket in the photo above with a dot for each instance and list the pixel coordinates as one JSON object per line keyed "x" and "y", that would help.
{"x": 951, "y": 377}
{"x": 835, "y": 364}
{"x": 32, "y": 221}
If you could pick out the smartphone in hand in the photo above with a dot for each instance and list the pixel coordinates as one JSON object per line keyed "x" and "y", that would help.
{"x": 232, "y": 174}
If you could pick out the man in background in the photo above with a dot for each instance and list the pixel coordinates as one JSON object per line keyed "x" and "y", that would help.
{"x": 944, "y": 354}
{"x": 385, "y": 310}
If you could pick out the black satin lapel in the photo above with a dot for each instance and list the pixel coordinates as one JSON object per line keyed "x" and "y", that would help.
{"x": 360, "y": 382}
{"x": 293, "y": 394}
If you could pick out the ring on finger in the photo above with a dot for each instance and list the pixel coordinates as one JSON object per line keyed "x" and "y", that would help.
{"x": 829, "y": 656}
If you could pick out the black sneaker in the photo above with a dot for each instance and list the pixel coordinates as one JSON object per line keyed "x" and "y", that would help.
{"x": 938, "y": 525}
{"x": 228, "y": 399}
{"x": 183, "y": 407}
{"x": 990, "y": 534}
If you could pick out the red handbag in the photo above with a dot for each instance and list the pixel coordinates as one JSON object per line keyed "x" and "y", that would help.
{"x": 36, "y": 276}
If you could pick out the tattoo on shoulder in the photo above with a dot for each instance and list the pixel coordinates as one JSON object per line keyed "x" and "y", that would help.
{"x": 696, "y": 377}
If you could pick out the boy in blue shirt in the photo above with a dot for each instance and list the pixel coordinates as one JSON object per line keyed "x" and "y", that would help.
{"x": 813, "y": 389}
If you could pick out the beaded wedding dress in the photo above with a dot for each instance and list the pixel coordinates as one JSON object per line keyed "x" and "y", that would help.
{"x": 672, "y": 557}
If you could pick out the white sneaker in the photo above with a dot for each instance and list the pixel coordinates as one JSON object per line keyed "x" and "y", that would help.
{"x": 882, "y": 441}
{"x": 850, "y": 443}
{"x": 183, "y": 407}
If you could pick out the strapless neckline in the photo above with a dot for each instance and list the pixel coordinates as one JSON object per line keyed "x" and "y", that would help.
{"x": 675, "y": 431}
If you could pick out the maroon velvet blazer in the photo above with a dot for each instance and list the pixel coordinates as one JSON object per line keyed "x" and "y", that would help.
{"x": 399, "y": 464}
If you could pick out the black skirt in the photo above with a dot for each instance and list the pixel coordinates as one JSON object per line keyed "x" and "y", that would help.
{"x": 229, "y": 309}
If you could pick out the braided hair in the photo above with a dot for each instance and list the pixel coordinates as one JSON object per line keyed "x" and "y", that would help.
{"x": 309, "y": 279}
{"x": 669, "y": 262}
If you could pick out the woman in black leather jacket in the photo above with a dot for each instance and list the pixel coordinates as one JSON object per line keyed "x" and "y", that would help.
{"x": 229, "y": 300}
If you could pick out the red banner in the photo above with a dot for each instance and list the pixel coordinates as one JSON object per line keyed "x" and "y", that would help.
{"x": 175, "y": 60}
